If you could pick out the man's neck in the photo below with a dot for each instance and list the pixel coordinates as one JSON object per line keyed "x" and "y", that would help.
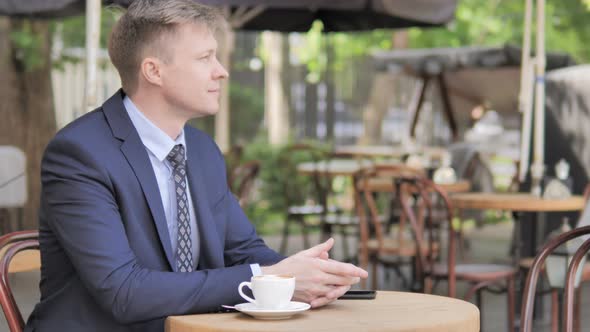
{"x": 160, "y": 114}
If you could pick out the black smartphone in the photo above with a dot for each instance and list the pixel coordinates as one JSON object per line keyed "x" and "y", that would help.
{"x": 359, "y": 295}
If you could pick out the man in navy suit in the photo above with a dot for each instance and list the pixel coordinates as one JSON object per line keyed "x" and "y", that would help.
{"x": 137, "y": 222}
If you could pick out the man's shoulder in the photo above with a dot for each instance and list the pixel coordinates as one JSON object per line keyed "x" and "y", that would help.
{"x": 100, "y": 124}
{"x": 86, "y": 127}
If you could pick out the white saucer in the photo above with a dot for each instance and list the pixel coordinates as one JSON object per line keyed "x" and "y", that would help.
{"x": 292, "y": 309}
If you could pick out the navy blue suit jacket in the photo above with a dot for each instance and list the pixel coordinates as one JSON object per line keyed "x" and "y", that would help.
{"x": 107, "y": 262}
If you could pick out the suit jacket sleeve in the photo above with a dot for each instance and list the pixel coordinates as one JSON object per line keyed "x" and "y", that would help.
{"x": 82, "y": 211}
{"x": 243, "y": 245}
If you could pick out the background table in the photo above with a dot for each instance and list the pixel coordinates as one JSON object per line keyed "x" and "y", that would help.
{"x": 339, "y": 167}
{"x": 521, "y": 202}
{"x": 375, "y": 151}
{"x": 384, "y": 185}
{"x": 25, "y": 261}
{"x": 390, "y": 311}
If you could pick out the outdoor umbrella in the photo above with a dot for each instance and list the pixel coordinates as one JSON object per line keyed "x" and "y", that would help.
{"x": 336, "y": 15}
{"x": 275, "y": 15}
{"x": 470, "y": 76}
{"x": 281, "y": 15}
{"x": 41, "y": 8}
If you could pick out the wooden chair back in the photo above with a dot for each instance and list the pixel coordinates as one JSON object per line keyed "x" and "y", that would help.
{"x": 243, "y": 178}
{"x": 431, "y": 196}
{"x": 297, "y": 188}
{"x": 367, "y": 182}
{"x": 528, "y": 298}
{"x": 10, "y": 245}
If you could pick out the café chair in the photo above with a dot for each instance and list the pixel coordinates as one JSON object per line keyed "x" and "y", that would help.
{"x": 491, "y": 277}
{"x": 571, "y": 320}
{"x": 241, "y": 180}
{"x": 526, "y": 263}
{"x": 233, "y": 157}
{"x": 304, "y": 197}
{"x": 10, "y": 245}
{"x": 379, "y": 246}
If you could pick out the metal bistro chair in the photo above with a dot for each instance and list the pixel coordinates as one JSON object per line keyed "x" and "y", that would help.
{"x": 10, "y": 245}
{"x": 241, "y": 180}
{"x": 304, "y": 196}
{"x": 377, "y": 245}
{"x": 492, "y": 277}
{"x": 526, "y": 263}
{"x": 571, "y": 321}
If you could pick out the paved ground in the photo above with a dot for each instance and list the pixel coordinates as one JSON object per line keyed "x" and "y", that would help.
{"x": 486, "y": 244}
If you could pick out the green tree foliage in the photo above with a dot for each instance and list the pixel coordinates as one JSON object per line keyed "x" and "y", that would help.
{"x": 502, "y": 21}
{"x": 247, "y": 112}
{"x": 28, "y": 47}
{"x": 74, "y": 28}
{"x": 477, "y": 22}
{"x": 277, "y": 174}
{"x": 311, "y": 49}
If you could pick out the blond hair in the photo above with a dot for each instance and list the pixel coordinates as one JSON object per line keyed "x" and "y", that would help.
{"x": 144, "y": 29}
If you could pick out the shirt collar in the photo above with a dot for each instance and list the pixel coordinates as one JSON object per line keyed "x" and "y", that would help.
{"x": 152, "y": 137}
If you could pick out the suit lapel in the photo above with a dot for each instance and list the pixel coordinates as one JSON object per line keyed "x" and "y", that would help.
{"x": 209, "y": 240}
{"x": 137, "y": 156}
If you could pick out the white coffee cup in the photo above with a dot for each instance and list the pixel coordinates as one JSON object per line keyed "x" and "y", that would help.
{"x": 270, "y": 291}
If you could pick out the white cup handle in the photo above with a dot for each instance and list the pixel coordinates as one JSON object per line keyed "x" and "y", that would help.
{"x": 246, "y": 297}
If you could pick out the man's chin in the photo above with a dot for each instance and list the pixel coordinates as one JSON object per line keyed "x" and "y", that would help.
{"x": 201, "y": 113}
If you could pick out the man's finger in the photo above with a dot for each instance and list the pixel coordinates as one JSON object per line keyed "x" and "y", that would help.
{"x": 319, "y": 302}
{"x": 337, "y": 292}
{"x": 317, "y": 251}
{"x": 338, "y": 280}
{"x": 342, "y": 269}
{"x": 334, "y": 294}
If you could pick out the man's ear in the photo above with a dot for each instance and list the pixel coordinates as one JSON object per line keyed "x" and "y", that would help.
{"x": 151, "y": 70}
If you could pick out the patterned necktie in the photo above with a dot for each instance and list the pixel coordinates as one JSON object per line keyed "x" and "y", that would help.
{"x": 184, "y": 256}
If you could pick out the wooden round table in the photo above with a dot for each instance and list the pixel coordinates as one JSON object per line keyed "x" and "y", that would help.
{"x": 341, "y": 167}
{"x": 24, "y": 261}
{"x": 373, "y": 151}
{"x": 338, "y": 167}
{"x": 390, "y": 311}
{"x": 521, "y": 202}
{"x": 384, "y": 185}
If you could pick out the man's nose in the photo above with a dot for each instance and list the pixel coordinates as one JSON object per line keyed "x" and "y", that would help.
{"x": 220, "y": 71}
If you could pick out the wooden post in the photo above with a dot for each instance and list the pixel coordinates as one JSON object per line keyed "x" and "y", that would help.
{"x": 447, "y": 106}
{"x": 418, "y": 105}
{"x": 525, "y": 97}
{"x": 275, "y": 100}
{"x": 92, "y": 46}
{"x": 538, "y": 167}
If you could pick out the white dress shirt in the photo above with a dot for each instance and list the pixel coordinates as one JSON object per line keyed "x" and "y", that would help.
{"x": 158, "y": 145}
